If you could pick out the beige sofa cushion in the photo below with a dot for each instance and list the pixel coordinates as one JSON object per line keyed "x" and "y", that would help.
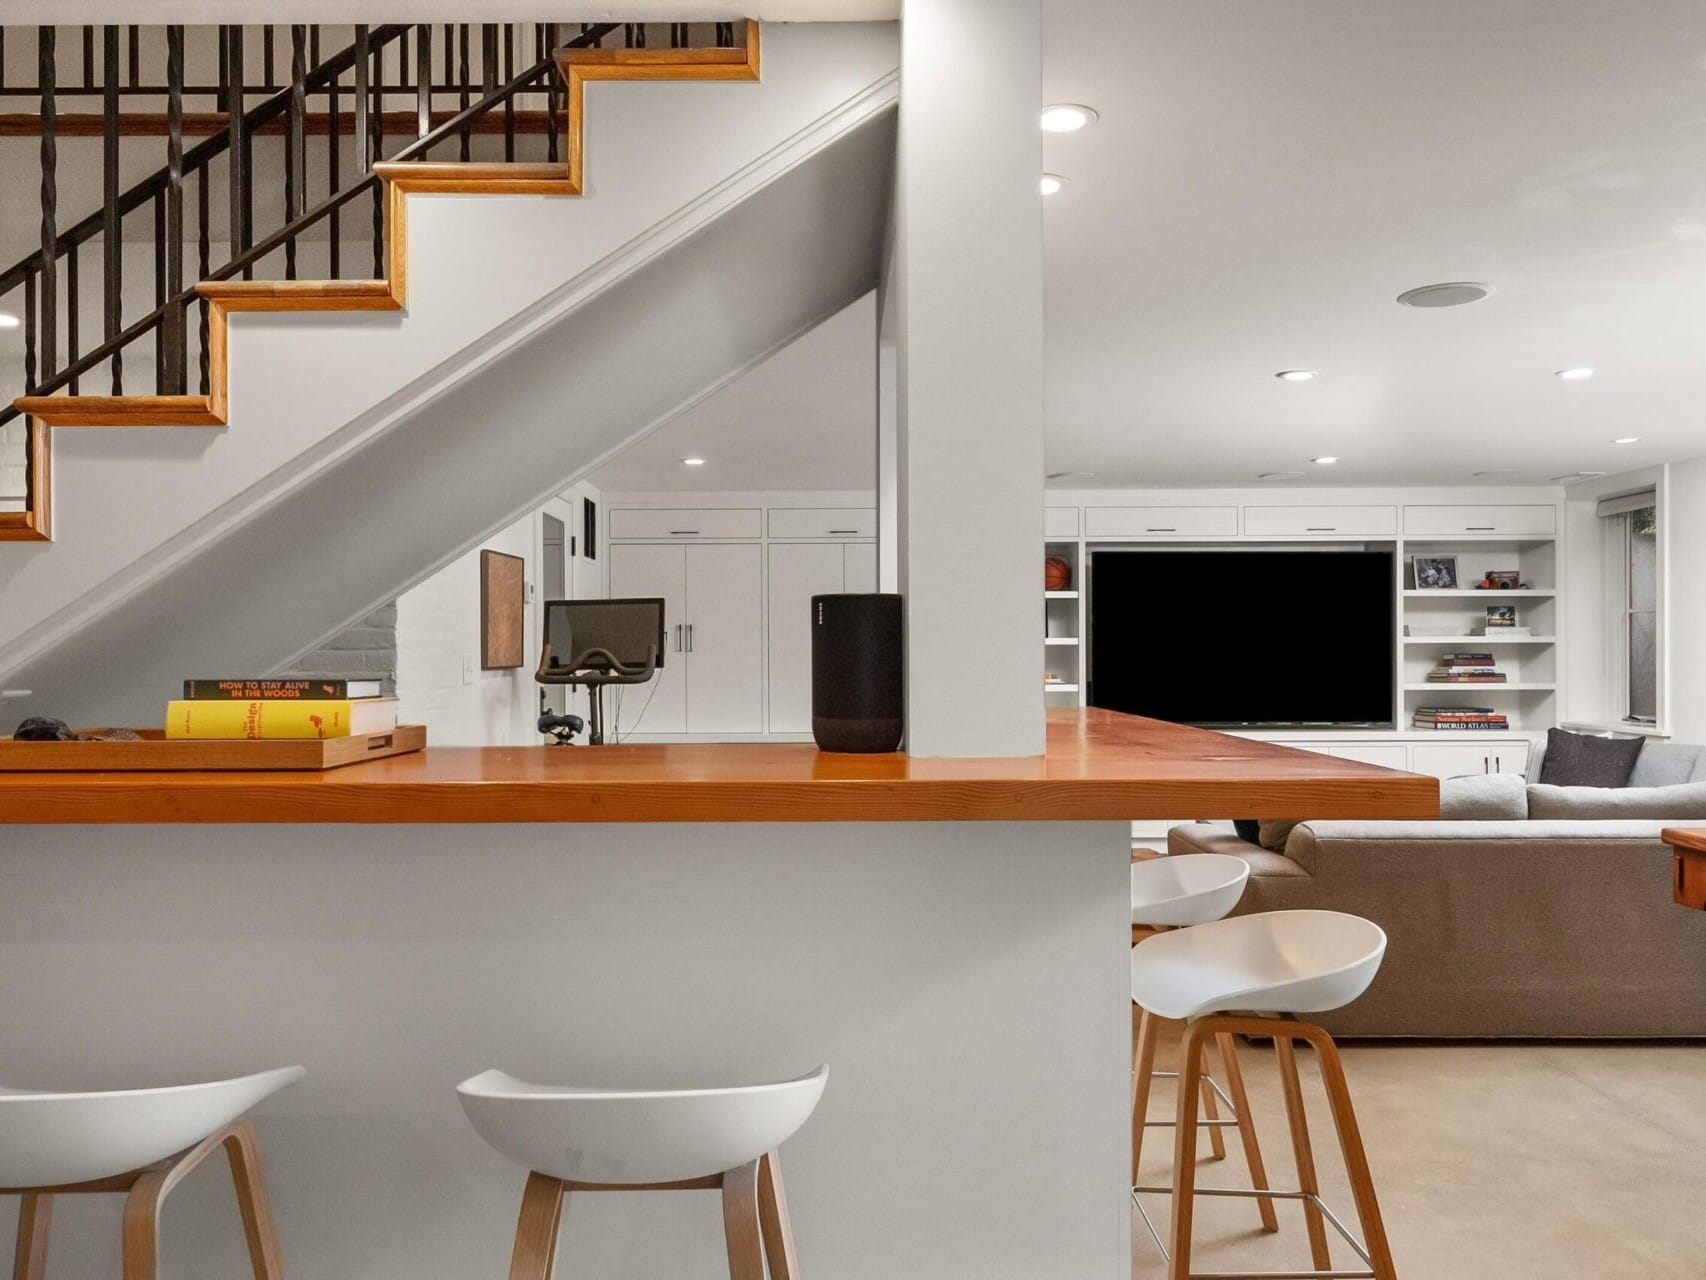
{"x": 1684, "y": 800}
{"x": 1490, "y": 797}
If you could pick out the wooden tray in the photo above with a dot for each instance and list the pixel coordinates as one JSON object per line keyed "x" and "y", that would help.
{"x": 156, "y": 753}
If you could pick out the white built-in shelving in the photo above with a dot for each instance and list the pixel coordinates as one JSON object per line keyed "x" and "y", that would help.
{"x": 1063, "y": 627}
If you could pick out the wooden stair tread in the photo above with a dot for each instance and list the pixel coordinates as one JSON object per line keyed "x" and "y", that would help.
{"x": 301, "y": 295}
{"x": 122, "y": 411}
{"x": 449, "y": 177}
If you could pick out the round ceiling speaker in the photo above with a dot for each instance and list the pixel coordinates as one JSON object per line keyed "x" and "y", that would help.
{"x": 1456, "y": 294}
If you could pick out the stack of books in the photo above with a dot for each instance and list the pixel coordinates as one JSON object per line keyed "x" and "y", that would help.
{"x": 315, "y": 707}
{"x": 1467, "y": 668}
{"x": 1460, "y": 718}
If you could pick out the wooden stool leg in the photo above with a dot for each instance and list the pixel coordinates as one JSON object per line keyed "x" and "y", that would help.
{"x": 1142, "y": 1077}
{"x": 740, "y": 1223}
{"x": 1356, "y": 1159}
{"x": 1185, "y": 1147}
{"x": 773, "y": 1221}
{"x": 252, "y": 1204}
{"x": 536, "y": 1233}
{"x": 1286, "y": 1053}
{"x": 141, "y": 1250}
{"x": 34, "y": 1214}
{"x": 1246, "y": 1126}
{"x": 1211, "y": 1108}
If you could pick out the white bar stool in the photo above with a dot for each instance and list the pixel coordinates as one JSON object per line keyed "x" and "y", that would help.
{"x": 580, "y": 1139}
{"x": 1179, "y": 892}
{"x": 1216, "y": 977}
{"x": 139, "y": 1141}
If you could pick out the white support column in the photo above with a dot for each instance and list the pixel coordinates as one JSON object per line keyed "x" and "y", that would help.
{"x": 967, "y": 266}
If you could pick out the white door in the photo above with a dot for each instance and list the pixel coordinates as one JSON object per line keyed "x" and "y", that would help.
{"x": 725, "y": 638}
{"x": 860, "y": 560}
{"x": 1449, "y": 761}
{"x": 659, "y": 705}
{"x": 798, "y": 571}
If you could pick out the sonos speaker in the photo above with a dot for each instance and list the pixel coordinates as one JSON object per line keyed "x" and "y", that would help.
{"x": 856, "y": 665}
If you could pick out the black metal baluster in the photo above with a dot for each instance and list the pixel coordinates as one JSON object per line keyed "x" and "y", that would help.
{"x": 2, "y": 57}
{"x": 725, "y": 35}
{"x": 295, "y": 145}
{"x": 88, "y": 57}
{"x": 71, "y": 311}
{"x": 314, "y": 46}
{"x": 49, "y": 200}
{"x": 361, "y": 68}
{"x": 203, "y": 266}
{"x": 678, "y": 35}
{"x": 334, "y": 133}
{"x": 238, "y": 145}
{"x": 267, "y": 56}
{"x": 135, "y": 34}
{"x": 30, "y": 329}
{"x": 449, "y": 54}
{"x": 423, "y": 79}
{"x": 552, "y": 80}
{"x": 376, "y": 122}
{"x": 488, "y": 58}
{"x": 509, "y": 102}
{"x": 172, "y": 338}
{"x": 463, "y": 82}
{"x": 159, "y": 286}
{"x": 112, "y": 245}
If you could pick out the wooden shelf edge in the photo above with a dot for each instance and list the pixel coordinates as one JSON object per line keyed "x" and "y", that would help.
{"x": 122, "y": 411}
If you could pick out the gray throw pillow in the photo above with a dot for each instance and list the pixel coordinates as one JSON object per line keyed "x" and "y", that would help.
{"x": 1490, "y": 797}
{"x": 1663, "y": 764}
{"x": 1582, "y": 760}
{"x": 1686, "y": 800}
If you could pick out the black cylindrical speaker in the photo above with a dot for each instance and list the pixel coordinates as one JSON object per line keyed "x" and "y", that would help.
{"x": 856, "y": 666}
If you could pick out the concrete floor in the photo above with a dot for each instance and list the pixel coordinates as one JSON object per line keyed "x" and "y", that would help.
{"x": 1492, "y": 1162}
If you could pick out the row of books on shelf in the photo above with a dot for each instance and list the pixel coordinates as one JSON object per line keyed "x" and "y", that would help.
{"x": 1459, "y": 718}
{"x": 1467, "y": 668}
{"x": 310, "y": 707}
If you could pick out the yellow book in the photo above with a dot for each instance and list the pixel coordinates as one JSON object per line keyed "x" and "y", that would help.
{"x": 274, "y": 718}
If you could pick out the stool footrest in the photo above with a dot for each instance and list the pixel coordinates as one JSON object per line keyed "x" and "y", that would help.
{"x": 1251, "y": 1193}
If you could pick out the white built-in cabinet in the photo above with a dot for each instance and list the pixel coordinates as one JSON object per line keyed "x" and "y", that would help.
{"x": 1455, "y": 760}
{"x": 713, "y": 674}
{"x": 799, "y": 571}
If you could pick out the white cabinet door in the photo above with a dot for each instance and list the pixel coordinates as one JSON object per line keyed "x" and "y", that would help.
{"x": 1535, "y": 520}
{"x": 1161, "y": 522}
{"x": 798, "y": 571}
{"x": 823, "y": 522}
{"x": 1394, "y": 756}
{"x": 1450, "y": 761}
{"x": 725, "y": 638}
{"x": 1269, "y": 522}
{"x": 659, "y": 705}
{"x": 1511, "y": 757}
{"x": 860, "y": 564}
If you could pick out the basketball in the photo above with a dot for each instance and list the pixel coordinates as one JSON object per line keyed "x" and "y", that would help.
{"x": 1057, "y": 574}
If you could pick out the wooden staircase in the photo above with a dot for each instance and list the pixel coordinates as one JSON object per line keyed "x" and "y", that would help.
{"x": 391, "y": 293}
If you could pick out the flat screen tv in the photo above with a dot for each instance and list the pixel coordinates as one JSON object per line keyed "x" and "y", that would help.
{"x": 1244, "y": 638}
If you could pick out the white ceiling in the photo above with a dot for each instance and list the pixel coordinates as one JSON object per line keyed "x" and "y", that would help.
{"x": 1266, "y": 178}
{"x": 805, "y": 418}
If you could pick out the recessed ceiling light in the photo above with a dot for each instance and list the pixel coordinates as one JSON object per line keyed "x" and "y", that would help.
{"x": 693, "y": 462}
{"x": 1326, "y": 461}
{"x": 8, "y": 320}
{"x": 1280, "y": 475}
{"x": 1575, "y": 375}
{"x": 1052, "y": 182}
{"x": 1295, "y": 375}
{"x": 1067, "y": 117}
{"x": 1455, "y": 294}
{"x": 1627, "y": 440}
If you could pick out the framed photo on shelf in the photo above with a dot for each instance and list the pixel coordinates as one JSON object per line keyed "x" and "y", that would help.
{"x": 1500, "y": 617}
{"x": 1435, "y": 573}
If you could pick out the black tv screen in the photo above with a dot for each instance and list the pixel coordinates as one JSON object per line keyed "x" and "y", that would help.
{"x": 1244, "y": 638}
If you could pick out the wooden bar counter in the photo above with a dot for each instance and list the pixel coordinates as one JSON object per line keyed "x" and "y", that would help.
{"x": 1099, "y": 765}
{"x": 950, "y": 936}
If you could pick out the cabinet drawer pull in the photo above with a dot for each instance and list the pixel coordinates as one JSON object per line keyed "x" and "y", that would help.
{"x": 1482, "y": 528}
{"x": 689, "y": 637}
{"x": 1167, "y": 530}
{"x": 1322, "y": 528}
{"x": 844, "y": 531}
{"x": 684, "y": 531}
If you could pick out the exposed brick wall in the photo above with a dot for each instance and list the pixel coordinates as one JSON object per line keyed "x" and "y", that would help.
{"x": 367, "y": 649}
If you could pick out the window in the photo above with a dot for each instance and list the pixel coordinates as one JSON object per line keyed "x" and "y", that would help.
{"x": 1632, "y": 605}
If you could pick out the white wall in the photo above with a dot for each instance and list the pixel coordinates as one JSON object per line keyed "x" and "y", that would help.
{"x": 968, "y": 276}
{"x": 1686, "y": 612}
{"x": 439, "y": 681}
